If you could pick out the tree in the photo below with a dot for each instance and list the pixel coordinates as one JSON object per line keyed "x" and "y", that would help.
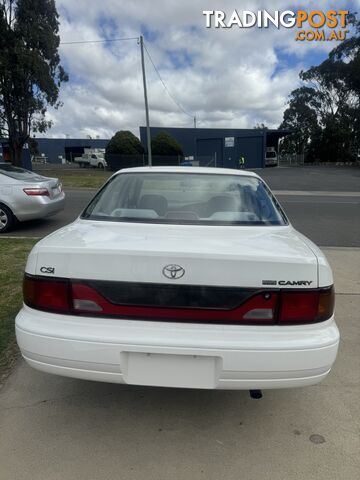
{"x": 260, "y": 126}
{"x": 348, "y": 52}
{"x": 300, "y": 117}
{"x": 324, "y": 113}
{"x": 165, "y": 144}
{"x": 30, "y": 70}
{"x": 125, "y": 143}
{"x": 33, "y": 147}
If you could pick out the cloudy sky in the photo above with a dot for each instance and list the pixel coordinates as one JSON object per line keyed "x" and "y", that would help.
{"x": 225, "y": 77}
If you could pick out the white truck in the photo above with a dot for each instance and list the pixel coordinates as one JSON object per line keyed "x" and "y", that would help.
{"x": 93, "y": 158}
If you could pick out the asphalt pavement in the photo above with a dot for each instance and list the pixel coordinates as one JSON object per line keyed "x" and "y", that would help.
{"x": 54, "y": 428}
{"x": 318, "y": 178}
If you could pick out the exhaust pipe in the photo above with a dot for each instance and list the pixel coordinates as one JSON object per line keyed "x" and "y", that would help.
{"x": 256, "y": 394}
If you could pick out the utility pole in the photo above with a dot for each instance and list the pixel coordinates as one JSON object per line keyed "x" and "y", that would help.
{"x": 194, "y": 122}
{"x": 148, "y": 136}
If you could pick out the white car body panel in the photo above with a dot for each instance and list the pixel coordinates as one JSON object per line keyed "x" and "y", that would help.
{"x": 138, "y": 252}
{"x": 325, "y": 276}
{"x": 175, "y": 354}
{"x": 251, "y": 357}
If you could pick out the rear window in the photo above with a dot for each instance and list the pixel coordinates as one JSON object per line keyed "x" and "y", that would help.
{"x": 184, "y": 198}
{"x": 19, "y": 173}
{"x": 270, "y": 154}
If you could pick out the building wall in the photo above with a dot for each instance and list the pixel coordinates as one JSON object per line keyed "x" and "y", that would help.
{"x": 223, "y": 145}
{"x": 52, "y": 148}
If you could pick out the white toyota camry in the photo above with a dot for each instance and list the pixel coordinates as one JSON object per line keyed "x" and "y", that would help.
{"x": 180, "y": 277}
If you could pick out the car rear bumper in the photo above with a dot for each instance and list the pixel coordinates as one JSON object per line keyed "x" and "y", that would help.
{"x": 177, "y": 355}
{"x": 40, "y": 207}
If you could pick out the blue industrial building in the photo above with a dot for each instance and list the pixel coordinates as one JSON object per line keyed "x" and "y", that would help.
{"x": 68, "y": 148}
{"x": 223, "y": 145}
{"x": 55, "y": 149}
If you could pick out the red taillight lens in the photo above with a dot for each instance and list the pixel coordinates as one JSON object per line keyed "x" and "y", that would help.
{"x": 299, "y": 307}
{"x": 46, "y": 294}
{"x": 35, "y": 192}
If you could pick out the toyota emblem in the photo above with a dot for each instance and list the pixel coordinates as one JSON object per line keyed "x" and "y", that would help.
{"x": 173, "y": 271}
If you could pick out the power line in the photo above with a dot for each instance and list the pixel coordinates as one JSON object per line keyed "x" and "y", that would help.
{"x": 79, "y": 42}
{"x": 164, "y": 85}
{"x": 100, "y": 41}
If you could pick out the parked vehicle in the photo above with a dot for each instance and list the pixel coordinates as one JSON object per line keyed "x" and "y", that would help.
{"x": 96, "y": 160}
{"x": 271, "y": 158}
{"x": 25, "y": 195}
{"x": 180, "y": 277}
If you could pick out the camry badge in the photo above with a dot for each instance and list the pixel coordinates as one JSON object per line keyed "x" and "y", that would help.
{"x": 173, "y": 271}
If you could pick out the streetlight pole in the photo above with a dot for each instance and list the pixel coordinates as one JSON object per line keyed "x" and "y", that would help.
{"x": 148, "y": 136}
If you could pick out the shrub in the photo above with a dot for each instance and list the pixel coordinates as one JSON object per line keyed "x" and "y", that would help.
{"x": 165, "y": 144}
{"x": 124, "y": 143}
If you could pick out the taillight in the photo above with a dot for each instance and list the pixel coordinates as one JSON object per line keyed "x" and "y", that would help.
{"x": 265, "y": 307}
{"x": 304, "y": 306}
{"x": 260, "y": 308}
{"x": 35, "y": 192}
{"x": 47, "y": 294}
{"x": 326, "y": 304}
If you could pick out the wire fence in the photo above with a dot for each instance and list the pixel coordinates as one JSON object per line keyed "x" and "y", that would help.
{"x": 291, "y": 160}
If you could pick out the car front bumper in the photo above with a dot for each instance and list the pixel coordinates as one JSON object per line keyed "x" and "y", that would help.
{"x": 177, "y": 355}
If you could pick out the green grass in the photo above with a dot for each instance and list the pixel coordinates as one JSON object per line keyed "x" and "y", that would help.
{"x": 13, "y": 255}
{"x": 78, "y": 178}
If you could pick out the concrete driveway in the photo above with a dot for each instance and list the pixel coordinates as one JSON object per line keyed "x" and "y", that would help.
{"x": 54, "y": 428}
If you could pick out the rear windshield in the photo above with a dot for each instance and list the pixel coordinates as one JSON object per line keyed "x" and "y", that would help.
{"x": 19, "y": 173}
{"x": 270, "y": 154}
{"x": 184, "y": 198}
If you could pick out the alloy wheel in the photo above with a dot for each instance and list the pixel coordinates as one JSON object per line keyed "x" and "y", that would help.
{"x": 4, "y": 219}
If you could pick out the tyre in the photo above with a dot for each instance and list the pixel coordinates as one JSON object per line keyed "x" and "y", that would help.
{"x": 101, "y": 166}
{"x": 6, "y": 219}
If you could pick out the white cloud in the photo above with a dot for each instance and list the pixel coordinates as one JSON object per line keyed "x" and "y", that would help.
{"x": 227, "y": 78}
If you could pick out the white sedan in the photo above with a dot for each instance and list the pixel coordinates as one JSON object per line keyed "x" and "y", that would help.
{"x": 25, "y": 195}
{"x": 180, "y": 277}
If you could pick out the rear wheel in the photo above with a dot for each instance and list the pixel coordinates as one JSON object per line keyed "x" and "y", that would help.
{"x": 6, "y": 219}
{"x": 101, "y": 166}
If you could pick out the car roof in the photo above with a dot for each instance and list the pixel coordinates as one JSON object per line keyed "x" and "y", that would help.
{"x": 189, "y": 170}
